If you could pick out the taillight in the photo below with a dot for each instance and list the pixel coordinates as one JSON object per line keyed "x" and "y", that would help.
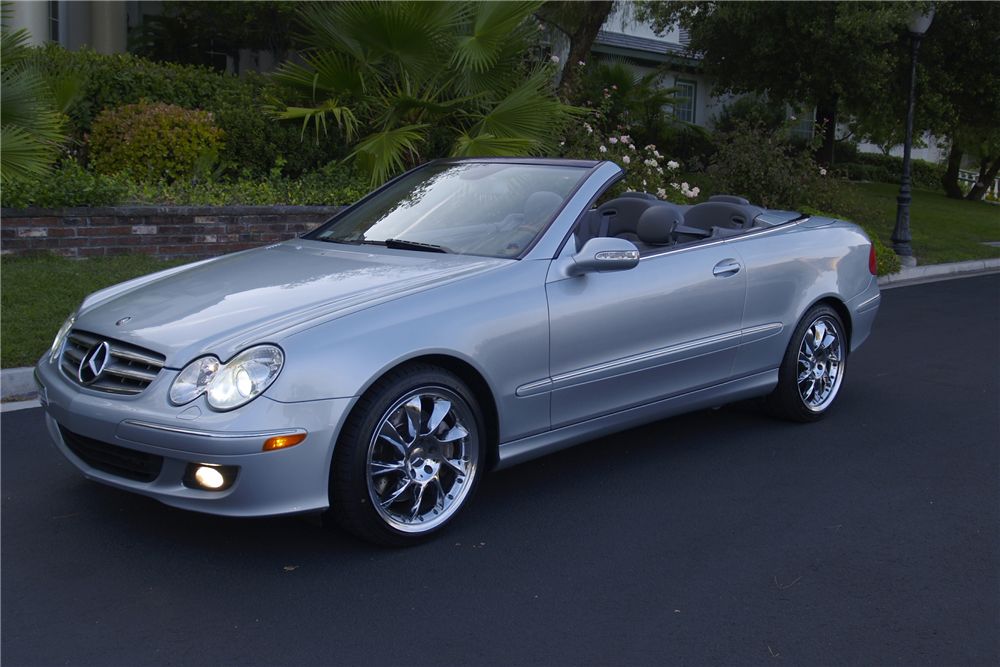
{"x": 872, "y": 263}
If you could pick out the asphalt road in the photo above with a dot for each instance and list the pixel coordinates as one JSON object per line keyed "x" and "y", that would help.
{"x": 717, "y": 538}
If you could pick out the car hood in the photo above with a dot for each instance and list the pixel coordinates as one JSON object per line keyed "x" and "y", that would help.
{"x": 223, "y": 305}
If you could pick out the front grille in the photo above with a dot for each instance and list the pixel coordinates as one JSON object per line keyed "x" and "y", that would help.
{"x": 129, "y": 369}
{"x": 112, "y": 459}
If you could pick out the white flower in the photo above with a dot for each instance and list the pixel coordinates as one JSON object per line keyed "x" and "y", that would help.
{"x": 581, "y": 63}
{"x": 562, "y": 143}
{"x": 685, "y": 186}
{"x": 588, "y": 128}
{"x": 555, "y": 59}
{"x": 603, "y": 149}
{"x": 672, "y": 165}
{"x": 625, "y": 139}
{"x": 644, "y": 182}
{"x": 650, "y": 162}
{"x": 632, "y": 146}
{"x": 793, "y": 117}
{"x": 612, "y": 140}
{"x": 626, "y": 159}
{"x": 661, "y": 193}
{"x": 657, "y": 154}
{"x": 822, "y": 172}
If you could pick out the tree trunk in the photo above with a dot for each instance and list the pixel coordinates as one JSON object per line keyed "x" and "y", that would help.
{"x": 826, "y": 113}
{"x": 592, "y": 17}
{"x": 985, "y": 180}
{"x": 950, "y": 179}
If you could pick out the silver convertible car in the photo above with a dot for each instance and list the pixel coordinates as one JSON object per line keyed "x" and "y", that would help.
{"x": 470, "y": 314}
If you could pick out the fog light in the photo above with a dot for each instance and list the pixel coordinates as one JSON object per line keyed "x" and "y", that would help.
{"x": 282, "y": 441}
{"x": 208, "y": 477}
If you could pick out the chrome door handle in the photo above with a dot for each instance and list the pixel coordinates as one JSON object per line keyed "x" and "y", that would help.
{"x": 727, "y": 267}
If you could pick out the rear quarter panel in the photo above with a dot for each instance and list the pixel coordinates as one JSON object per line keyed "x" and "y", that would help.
{"x": 790, "y": 268}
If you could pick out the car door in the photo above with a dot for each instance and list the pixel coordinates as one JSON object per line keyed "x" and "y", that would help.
{"x": 668, "y": 326}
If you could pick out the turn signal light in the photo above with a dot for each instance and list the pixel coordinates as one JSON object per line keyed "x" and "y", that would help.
{"x": 283, "y": 441}
{"x": 872, "y": 262}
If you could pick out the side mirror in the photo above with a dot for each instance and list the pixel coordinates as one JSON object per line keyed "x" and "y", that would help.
{"x": 605, "y": 254}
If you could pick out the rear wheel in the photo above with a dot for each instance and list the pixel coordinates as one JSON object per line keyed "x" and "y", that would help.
{"x": 813, "y": 367}
{"x": 409, "y": 458}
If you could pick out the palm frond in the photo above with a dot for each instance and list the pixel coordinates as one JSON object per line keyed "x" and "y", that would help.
{"x": 342, "y": 115}
{"x": 486, "y": 145}
{"x": 383, "y": 153}
{"x": 529, "y": 112}
{"x": 23, "y": 154}
{"x": 491, "y": 26}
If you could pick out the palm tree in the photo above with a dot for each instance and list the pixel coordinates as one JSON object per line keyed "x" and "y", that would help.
{"x": 30, "y": 124}
{"x": 426, "y": 79}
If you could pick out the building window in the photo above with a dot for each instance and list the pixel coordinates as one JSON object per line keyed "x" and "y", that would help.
{"x": 805, "y": 124}
{"x": 53, "y": 21}
{"x": 686, "y": 92}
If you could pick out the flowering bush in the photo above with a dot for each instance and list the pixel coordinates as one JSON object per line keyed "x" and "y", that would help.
{"x": 646, "y": 170}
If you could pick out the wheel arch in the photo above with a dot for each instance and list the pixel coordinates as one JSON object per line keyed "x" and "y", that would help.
{"x": 842, "y": 311}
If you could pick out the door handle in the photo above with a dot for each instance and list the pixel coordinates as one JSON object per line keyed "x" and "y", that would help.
{"x": 726, "y": 267}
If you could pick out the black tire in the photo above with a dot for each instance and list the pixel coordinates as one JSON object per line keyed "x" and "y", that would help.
{"x": 409, "y": 457}
{"x": 812, "y": 369}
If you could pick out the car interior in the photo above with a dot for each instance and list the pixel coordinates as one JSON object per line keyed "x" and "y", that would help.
{"x": 652, "y": 224}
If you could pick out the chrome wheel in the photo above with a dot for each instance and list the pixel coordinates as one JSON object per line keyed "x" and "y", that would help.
{"x": 819, "y": 364}
{"x": 812, "y": 368}
{"x": 422, "y": 459}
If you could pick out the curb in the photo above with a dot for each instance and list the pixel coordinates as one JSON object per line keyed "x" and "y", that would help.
{"x": 18, "y": 384}
{"x": 916, "y": 274}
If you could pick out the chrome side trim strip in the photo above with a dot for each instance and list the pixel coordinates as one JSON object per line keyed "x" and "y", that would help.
{"x": 862, "y": 306}
{"x": 215, "y": 434}
{"x": 532, "y": 388}
{"x": 563, "y": 378}
{"x": 761, "y": 332}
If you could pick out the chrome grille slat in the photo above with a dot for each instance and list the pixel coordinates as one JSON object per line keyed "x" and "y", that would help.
{"x": 128, "y": 371}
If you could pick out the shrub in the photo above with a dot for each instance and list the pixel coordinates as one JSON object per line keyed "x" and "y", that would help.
{"x": 69, "y": 185}
{"x": 646, "y": 170}
{"x": 256, "y": 142}
{"x": 923, "y": 174}
{"x": 153, "y": 141}
{"x": 769, "y": 168}
{"x": 111, "y": 80}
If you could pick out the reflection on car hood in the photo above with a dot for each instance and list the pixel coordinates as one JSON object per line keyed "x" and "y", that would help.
{"x": 223, "y": 305}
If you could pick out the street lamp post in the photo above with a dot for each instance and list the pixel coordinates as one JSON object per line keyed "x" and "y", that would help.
{"x": 919, "y": 23}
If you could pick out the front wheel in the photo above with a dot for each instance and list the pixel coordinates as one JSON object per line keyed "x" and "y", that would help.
{"x": 812, "y": 369}
{"x": 409, "y": 457}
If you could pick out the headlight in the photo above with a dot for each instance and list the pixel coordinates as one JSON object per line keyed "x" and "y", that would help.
{"x": 230, "y": 385}
{"x": 61, "y": 337}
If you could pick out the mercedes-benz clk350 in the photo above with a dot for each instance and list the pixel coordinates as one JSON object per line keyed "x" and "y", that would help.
{"x": 469, "y": 315}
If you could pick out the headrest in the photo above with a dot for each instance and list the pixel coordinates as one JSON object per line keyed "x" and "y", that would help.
{"x": 657, "y": 223}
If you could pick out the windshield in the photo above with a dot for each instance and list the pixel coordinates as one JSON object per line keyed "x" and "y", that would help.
{"x": 471, "y": 208}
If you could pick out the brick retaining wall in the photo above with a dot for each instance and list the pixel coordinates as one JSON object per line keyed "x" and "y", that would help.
{"x": 162, "y": 231}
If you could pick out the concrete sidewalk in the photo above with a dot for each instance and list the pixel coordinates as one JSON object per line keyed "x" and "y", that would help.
{"x": 17, "y": 387}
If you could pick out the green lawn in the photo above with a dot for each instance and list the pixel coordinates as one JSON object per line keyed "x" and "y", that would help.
{"x": 943, "y": 230}
{"x": 38, "y": 293}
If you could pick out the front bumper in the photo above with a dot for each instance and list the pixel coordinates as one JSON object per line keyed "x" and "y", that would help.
{"x": 283, "y": 481}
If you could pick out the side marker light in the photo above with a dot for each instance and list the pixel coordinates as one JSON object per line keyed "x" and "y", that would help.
{"x": 283, "y": 441}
